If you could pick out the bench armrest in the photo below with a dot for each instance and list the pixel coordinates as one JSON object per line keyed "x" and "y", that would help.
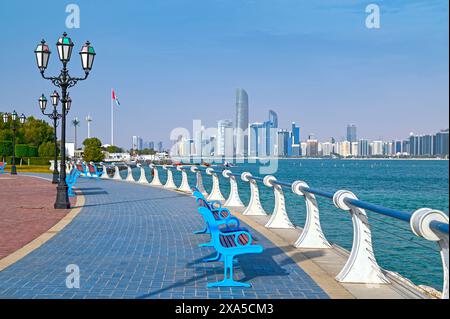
{"x": 213, "y": 204}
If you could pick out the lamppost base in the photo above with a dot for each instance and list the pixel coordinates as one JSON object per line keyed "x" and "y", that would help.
{"x": 55, "y": 178}
{"x": 62, "y": 197}
{"x": 13, "y": 170}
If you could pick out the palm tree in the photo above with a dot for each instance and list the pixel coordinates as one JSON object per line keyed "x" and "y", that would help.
{"x": 75, "y": 123}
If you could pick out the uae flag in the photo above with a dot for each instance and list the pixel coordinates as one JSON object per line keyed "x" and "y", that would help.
{"x": 115, "y": 99}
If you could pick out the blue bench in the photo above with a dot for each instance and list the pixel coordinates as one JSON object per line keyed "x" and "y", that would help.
{"x": 2, "y": 167}
{"x": 93, "y": 171}
{"x": 222, "y": 216}
{"x": 228, "y": 244}
{"x": 71, "y": 179}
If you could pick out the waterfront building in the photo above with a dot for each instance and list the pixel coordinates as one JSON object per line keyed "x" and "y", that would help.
{"x": 351, "y": 133}
{"x": 241, "y": 125}
{"x": 295, "y": 140}
{"x": 312, "y": 148}
{"x": 224, "y": 127}
{"x": 426, "y": 144}
{"x": 256, "y": 136}
{"x": 137, "y": 143}
{"x": 303, "y": 146}
{"x": 151, "y": 145}
{"x": 442, "y": 143}
{"x": 344, "y": 148}
{"x": 327, "y": 149}
{"x": 363, "y": 148}
{"x": 377, "y": 148}
{"x": 283, "y": 143}
{"x": 160, "y": 147}
{"x": 354, "y": 148}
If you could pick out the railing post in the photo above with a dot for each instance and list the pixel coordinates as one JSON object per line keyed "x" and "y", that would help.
{"x": 361, "y": 266}
{"x": 142, "y": 178}
{"x": 312, "y": 235}
{"x": 129, "y": 174}
{"x": 254, "y": 207}
{"x": 233, "y": 200}
{"x": 184, "y": 187}
{"x": 155, "y": 173}
{"x": 279, "y": 217}
{"x": 215, "y": 191}
{"x": 169, "y": 183}
{"x": 105, "y": 172}
{"x": 117, "y": 173}
{"x": 199, "y": 178}
{"x": 420, "y": 224}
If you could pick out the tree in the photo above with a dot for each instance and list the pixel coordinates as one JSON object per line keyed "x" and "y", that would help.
{"x": 21, "y": 150}
{"x": 93, "y": 150}
{"x": 47, "y": 149}
{"x": 5, "y": 148}
{"x": 114, "y": 149}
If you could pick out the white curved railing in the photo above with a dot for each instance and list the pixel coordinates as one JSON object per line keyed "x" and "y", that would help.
{"x": 361, "y": 265}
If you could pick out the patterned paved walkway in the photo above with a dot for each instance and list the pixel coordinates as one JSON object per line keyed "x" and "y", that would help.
{"x": 134, "y": 241}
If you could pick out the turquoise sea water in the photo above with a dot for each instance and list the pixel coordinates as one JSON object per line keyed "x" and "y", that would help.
{"x": 400, "y": 184}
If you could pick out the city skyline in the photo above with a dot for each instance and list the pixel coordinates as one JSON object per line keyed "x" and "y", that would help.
{"x": 314, "y": 63}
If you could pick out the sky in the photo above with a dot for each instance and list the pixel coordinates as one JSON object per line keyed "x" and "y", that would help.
{"x": 174, "y": 61}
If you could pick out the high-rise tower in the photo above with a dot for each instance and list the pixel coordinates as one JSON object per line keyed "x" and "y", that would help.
{"x": 241, "y": 124}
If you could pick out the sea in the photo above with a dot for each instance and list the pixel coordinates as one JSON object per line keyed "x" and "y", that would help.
{"x": 405, "y": 185}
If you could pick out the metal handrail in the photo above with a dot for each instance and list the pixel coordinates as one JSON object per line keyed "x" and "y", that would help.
{"x": 439, "y": 226}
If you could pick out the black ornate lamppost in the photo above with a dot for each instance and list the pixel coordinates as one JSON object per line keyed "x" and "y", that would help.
{"x": 55, "y": 116}
{"x": 64, "y": 81}
{"x": 14, "y": 128}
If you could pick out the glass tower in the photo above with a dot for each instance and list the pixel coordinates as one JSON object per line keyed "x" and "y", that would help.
{"x": 351, "y": 133}
{"x": 241, "y": 122}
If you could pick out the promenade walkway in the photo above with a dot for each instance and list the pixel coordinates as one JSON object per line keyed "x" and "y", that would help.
{"x": 136, "y": 241}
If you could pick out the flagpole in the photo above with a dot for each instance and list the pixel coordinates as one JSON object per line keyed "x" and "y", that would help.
{"x": 112, "y": 119}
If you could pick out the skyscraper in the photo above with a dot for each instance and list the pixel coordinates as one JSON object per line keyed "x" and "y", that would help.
{"x": 224, "y": 127}
{"x": 442, "y": 143}
{"x": 351, "y": 133}
{"x": 241, "y": 124}
{"x": 295, "y": 140}
{"x": 256, "y": 137}
{"x": 137, "y": 143}
{"x": 283, "y": 141}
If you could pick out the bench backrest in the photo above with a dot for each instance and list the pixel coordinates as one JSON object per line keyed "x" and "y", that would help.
{"x": 2, "y": 164}
{"x": 92, "y": 169}
{"x": 80, "y": 167}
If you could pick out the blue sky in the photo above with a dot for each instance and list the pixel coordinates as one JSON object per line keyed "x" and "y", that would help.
{"x": 172, "y": 61}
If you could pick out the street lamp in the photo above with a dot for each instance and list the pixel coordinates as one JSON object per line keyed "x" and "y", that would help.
{"x": 64, "y": 81}
{"x": 55, "y": 116}
{"x": 14, "y": 128}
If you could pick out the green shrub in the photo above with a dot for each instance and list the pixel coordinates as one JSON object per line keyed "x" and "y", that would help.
{"x": 21, "y": 150}
{"x": 5, "y": 148}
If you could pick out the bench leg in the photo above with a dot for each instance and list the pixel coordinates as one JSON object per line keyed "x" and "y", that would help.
{"x": 228, "y": 280}
{"x": 203, "y": 231}
{"x": 210, "y": 244}
{"x": 218, "y": 257}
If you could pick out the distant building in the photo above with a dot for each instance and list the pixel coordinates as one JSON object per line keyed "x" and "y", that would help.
{"x": 363, "y": 148}
{"x": 241, "y": 124}
{"x": 377, "y": 148}
{"x": 295, "y": 148}
{"x": 351, "y": 133}
{"x": 151, "y": 145}
{"x": 354, "y": 149}
{"x": 344, "y": 148}
{"x": 327, "y": 149}
{"x": 224, "y": 138}
{"x": 160, "y": 147}
{"x": 442, "y": 143}
{"x": 257, "y": 140}
{"x": 283, "y": 143}
{"x": 312, "y": 148}
{"x": 137, "y": 143}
